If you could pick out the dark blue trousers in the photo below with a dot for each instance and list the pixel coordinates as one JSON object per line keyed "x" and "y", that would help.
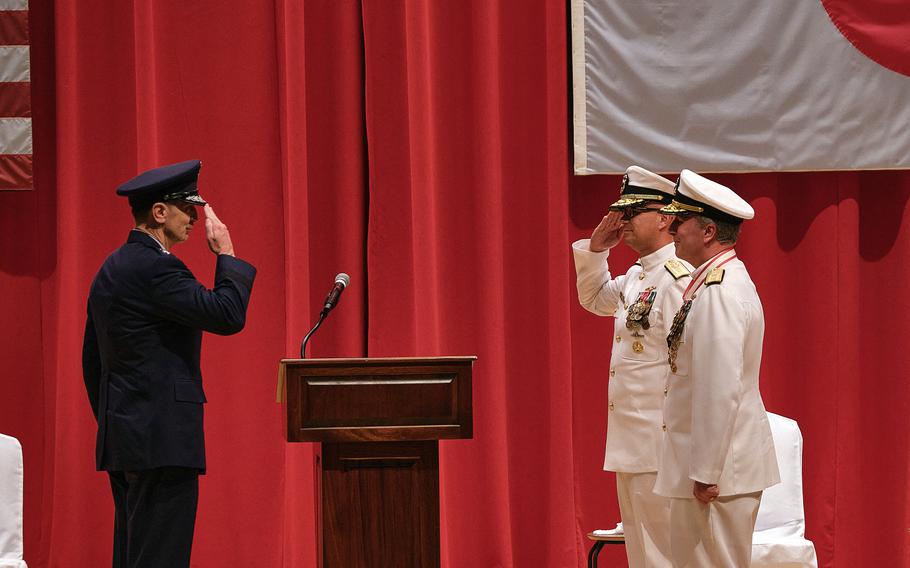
{"x": 154, "y": 517}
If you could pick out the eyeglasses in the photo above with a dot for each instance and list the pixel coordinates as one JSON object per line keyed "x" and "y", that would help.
{"x": 683, "y": 217}
{"x": 629, "y": 212}
{"x": 186, "y": 208}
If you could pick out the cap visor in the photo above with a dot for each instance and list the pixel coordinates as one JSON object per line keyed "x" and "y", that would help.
{"x": 626, "y": 202}
{"x": 673, "y": 210}
{"x": 194, "y": 200}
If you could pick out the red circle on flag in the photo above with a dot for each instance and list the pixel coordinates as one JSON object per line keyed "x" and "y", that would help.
{"x": 880, "y": 29}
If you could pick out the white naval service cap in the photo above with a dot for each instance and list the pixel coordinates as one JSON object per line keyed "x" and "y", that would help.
{"x": 641, "y": 186}
{"x": 698, "y": 195}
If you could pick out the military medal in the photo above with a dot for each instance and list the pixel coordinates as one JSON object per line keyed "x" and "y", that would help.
{"x": 637, "y": 316}
{"x": 676, "y": 331}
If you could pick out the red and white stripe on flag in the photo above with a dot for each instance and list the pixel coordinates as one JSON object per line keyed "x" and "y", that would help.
{"x": 741, "y": 85}
{"x": 15, "y": 97}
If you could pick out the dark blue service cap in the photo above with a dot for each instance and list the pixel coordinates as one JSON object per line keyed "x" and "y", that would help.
{"x": 176, "y": 182}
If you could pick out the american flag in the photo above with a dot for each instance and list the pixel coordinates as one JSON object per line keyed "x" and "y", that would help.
{"x": 15, "y": 97}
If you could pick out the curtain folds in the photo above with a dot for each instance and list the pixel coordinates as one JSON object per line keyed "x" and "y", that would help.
{"x": 421, "y": 147}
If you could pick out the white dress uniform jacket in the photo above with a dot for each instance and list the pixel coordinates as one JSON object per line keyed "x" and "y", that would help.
{"x": 638, "y": 368}
{"x": 717, "y": 429}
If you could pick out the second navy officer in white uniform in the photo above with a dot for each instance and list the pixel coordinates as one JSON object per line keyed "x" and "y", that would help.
{"x": 718, "y": 454}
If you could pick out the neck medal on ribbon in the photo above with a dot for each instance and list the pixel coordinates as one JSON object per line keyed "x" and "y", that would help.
{"x": 676, "y": 331}
{"x": 637, "y": 316}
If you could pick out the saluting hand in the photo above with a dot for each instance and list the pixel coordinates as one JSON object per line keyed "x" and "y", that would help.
{"x": 608, "y": 233}
{"x": 217, "y": 233}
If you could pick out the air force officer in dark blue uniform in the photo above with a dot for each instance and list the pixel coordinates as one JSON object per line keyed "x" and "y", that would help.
{"x": 146, "y": 315}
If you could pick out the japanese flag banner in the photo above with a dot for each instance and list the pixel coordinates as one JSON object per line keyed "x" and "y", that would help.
{"x": 741, "y": 85}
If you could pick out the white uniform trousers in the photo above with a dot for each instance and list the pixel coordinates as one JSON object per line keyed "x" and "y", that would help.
{"x": 645, "y": 520}
{"x": 717, "y": 535}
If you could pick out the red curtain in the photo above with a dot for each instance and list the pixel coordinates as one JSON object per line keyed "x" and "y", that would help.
{"x": 422, "y": 147}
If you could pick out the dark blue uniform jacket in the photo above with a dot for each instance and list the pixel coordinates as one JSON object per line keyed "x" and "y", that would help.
{"x": 140, "y": 356}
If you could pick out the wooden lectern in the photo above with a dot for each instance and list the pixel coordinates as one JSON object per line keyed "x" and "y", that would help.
{"x": 379, "y": 421}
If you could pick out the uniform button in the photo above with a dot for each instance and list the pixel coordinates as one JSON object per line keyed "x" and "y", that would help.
{"x": 611, "y": 405}
{"x": 612, "y": 372}
{"x": 666, "y": 390}
{"x": 641, "y": 275}
{"x": 664, "y": 427}
{"x": 618, "y": 339}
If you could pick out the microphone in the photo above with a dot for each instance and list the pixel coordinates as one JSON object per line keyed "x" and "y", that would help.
{"x": 341, "y": 281}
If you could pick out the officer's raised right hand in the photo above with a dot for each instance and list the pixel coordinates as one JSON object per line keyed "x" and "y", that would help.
{"x": 608, "y": 233}
{"x": 217, "y": 233}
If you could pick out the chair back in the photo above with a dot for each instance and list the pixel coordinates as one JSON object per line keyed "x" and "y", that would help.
{"x": 781, "y": 511}
{"x": 10, "y": 502}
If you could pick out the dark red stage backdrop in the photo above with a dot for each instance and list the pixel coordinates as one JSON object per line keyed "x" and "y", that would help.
{"x": 422, "y": 147}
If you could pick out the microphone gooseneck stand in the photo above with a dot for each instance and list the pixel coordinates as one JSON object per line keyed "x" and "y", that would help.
{"x": 322, "y": 316}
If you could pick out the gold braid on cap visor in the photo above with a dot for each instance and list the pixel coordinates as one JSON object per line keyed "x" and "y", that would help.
{"x": 677, "y": 207}
{"x": 633, "y": 198}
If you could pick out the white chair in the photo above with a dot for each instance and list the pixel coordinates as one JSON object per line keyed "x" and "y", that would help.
{"x": 10, "y": 503}
{"x": 779, "y": 540}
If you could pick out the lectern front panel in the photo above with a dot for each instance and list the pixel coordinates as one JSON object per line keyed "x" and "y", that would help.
{"x": 404, "y": 400}
{"x": 380, "y": 505}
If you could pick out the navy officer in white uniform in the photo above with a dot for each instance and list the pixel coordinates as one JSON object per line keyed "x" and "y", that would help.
{"x": 718, "y": 454}
{"x": 642, "y": 301}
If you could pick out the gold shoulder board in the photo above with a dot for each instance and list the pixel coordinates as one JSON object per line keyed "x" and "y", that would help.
{"x": 716, "y": 276}
{"x": 676, "y": 269}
